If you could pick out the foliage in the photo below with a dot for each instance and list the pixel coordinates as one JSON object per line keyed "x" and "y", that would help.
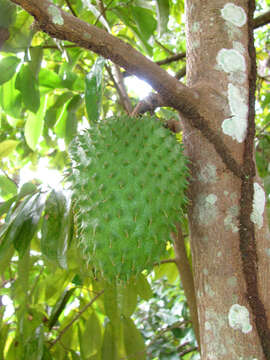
{"x": 60, "y": 311}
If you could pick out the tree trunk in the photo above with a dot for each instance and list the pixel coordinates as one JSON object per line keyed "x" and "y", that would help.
{"x": 230, "y": 239}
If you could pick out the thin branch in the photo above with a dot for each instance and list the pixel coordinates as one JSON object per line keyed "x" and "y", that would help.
{"x": 61, "y": 333}
{"x": 184, "y": 352}
{"x": 154, "y": 101}
{"x": 124, "y": 99}
{"x": 171, "y": 59}
{"x": 186, "y": 276}
{"x": 176, "y": 325}
{"x": 261, "y": 20}
{"x": 164, "y": 47}
{"x": 150, "y": 103}
{"x": 71, "y": 8}
{"x": 9, "y": 178}
{"x": 166, "y": 261}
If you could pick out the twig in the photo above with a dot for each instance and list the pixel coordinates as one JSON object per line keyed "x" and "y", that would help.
{"x": 164, "y": 47}
{"x": 166, "y": 261}
{"x": 61, "y": 333}
{"x": 8, "y": 177}
{"x": 171, "y": 59}
{"x": 262, "y": 20}
{"x": 186, "y": 277}
{"x": 184, "y": 352}
{"x": 124, "y": 99}
{"x": 71, "y": 8}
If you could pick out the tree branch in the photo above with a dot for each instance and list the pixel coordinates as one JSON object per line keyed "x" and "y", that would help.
{"x": 64, "y": 26}
{"x": 262, "y": 20}
{"x": 186, "y": 278}
{"x": 61, "y": 333}
{"x": 120, "y": 88}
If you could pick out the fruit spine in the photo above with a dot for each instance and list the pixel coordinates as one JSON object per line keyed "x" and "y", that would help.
{"x": 128, "y": 180}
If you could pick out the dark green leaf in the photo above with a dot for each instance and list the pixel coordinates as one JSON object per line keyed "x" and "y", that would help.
{"x": 59, "y": 307}
{"x": 55, "y": 228}
{"x": 24, "y": 226}
{"x": 30, "y": 94}
{"x": 93, "y": 90}
{"x": 8, "y": 66}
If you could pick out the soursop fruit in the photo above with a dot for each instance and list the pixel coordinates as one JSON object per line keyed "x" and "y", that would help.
{"x": 128, "y": 180}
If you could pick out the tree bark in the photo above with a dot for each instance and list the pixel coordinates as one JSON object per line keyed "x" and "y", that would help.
{"x": 229, "y": 232}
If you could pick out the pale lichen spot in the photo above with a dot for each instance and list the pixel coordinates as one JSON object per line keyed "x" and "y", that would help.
{"x": 230, "y": 221}
{"x": 234, "y": 14}
{"x": 209, "y": 290}
{"x": 55, "y": 15}
{"x": 207, "y": 325}
{"x": 205, "y": 271}
{"x": 232, "y": 281}
{"x": 208, "y": 174}
{"x": 236, "y": 125}
{"x": 226, "y": 193}
{"x": 219, "y": 254}
{"x": 231, "y": 60}
{"x": 206, "y": 210}
{"x": 258, "y": 205}
{"x": 238, "y": 46}
{"x": 239, "y": 318}
{"x": 196, "y": 27}
{"x": 86, "y": 36}
{"x": 267, "y": 251}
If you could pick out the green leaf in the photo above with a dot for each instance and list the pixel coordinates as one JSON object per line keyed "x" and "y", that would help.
{"x": 108, "y": 351}
{"x": 128, "y": 299}
{"x": 24, "y": 226}
{"x": 93, "y": 90}
{"x": 6, "y": 147}
{"x": 72, "y": 120}
{"x": 8, "y": 66}
{"x": 163, "y": 12}
{"x": 7, "y": 187}
{"x": 50, "y": 79}
{"x": 34, "y": 125}
{"x": 133, "y": 340}
{"x": 28, "y": 85}
{"x": 11, "y": 99}
{"x": 55, "y": 228}
{"x": 143, "y": 288}
{"x": 7, "y": 13}
{"x": 4, "y": 330}
{"x": 91, "y": 338}
{"x": 59, "y": 307}
{"x": 36, "y": 54}
{"x": 110, "y": 303}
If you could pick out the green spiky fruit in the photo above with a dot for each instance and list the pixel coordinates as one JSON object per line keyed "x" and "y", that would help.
{"x": 128, "y": 181}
